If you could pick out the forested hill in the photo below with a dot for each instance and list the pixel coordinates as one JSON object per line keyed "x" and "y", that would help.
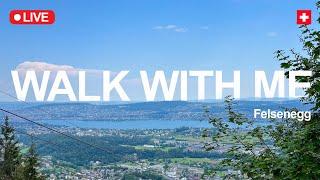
{"x": 174, "y": 110}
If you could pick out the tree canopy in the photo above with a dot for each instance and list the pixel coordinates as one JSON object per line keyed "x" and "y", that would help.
{"x": 14, "y": 166}
{"x": 284, "y": 148}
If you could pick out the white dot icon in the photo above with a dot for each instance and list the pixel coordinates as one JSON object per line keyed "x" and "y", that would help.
{"x": 17, "y": 17}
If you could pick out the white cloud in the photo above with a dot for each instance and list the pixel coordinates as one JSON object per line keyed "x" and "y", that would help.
{"x": 43, "y": 66}
{"x": 171, "y": 27}
{"x": 181, "y": 30}
{"x": 272, "y": 34}
{"x": 204, "y": 27}
{"x": 157, "y": 27}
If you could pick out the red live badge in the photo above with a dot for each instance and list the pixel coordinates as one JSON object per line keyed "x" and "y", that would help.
{"x": 32, "y": 17}
{"x": 304, "y": 17}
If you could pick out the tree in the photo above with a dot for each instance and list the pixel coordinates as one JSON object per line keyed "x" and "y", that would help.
{"x": 10, "y": 152}
{"x": 31, "y": 163}
{"x": 284, "y": 149}
{"x": 13, "y": 166}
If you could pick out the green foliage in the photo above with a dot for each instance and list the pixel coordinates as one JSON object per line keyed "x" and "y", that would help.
{"x": 12, "y": 165}
{"x": 283, "y": 149}
{"x": 31, "y": 164}
{"x": 122, "y": 149}
{"x": 10, "y": 152}
{"x": 308, "y": 59}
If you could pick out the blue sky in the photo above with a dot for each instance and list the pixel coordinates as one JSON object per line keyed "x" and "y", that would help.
{"x": 153, "y": 35}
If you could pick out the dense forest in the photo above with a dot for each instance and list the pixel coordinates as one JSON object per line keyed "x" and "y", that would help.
{"x": 82, "y": 155}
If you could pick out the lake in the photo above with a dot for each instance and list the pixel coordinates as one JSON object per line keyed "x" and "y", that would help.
{"x": 130, "y": 124}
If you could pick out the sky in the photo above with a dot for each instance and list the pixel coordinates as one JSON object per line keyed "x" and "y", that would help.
{"x": 152, "y": 35}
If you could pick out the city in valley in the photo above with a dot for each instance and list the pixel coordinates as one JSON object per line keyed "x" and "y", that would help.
{"x": 156, "y": 140}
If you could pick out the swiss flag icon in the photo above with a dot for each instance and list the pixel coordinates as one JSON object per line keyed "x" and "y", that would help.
{"x": 304, "y": 17}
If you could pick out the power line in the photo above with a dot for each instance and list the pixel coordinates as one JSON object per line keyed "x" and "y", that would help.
{"x": 54, "y": 130}
{"x": 52, "y": 143}
{"x": 33, "y": 136}
{"x": 13, "y": 97}
{"x": 43, "y": 140}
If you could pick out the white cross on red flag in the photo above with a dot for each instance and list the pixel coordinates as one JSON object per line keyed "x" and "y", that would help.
{"x": 304, "y": 17}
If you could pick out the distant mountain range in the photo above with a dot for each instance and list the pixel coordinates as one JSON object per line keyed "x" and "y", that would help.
{"x": 168, "y": 110}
